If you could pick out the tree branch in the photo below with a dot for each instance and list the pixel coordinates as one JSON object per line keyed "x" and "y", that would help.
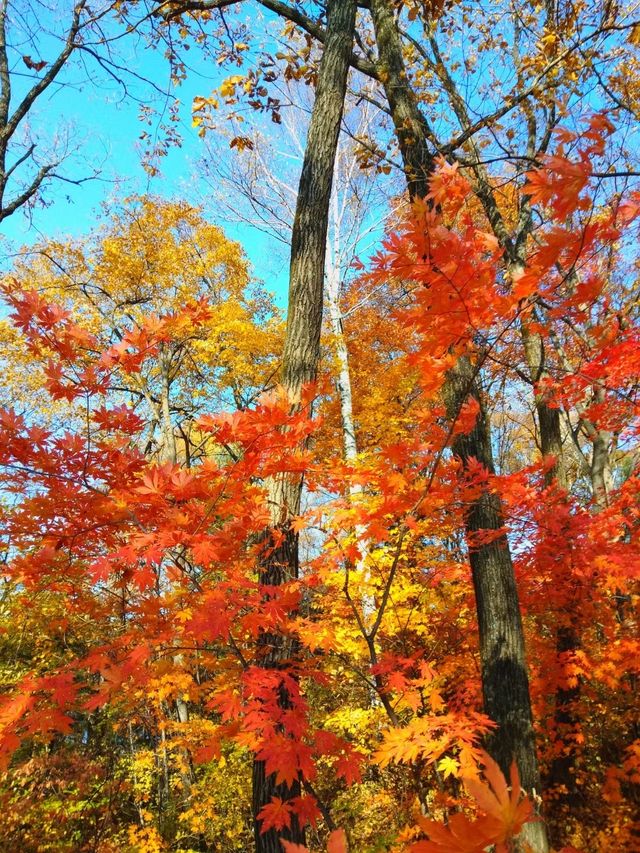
{"x": 284, "y": 10}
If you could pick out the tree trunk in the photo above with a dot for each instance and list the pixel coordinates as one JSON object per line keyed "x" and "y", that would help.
{"x": 551, "y": 443}
{"x": 505, "y": 681}
{"x": 348, "y": 428}
{"x": 168, "y": 452}
{"x": 408, "y": 121}
{"x": 343, "y": 380}
{"x": 562, "y": 775}
{"x": 275, "y": 651}
{"x": 600, "y": 462}
{"x": 302, "y": 349}
{"x": 505, "y": 684}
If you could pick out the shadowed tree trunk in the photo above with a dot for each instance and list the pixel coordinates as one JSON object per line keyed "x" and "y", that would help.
{"x": 561, "y": 774}
{"x": 505, "y": 684}
{"x": 275, "y": 652}
{"x": 409, "y": 123}
{"x": 302, "y": 353}
{"x": 548, "y": 417}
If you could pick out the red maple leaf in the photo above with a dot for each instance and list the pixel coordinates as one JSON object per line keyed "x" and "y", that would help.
{"x": 275, "y": 815}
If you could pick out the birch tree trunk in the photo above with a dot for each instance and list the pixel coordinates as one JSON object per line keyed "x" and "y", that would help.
{"x": 169, "y": 453}
{"x": 349, "y": 439}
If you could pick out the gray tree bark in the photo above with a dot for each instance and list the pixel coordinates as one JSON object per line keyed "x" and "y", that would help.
{"x": 505, "y": 682}
{"x": 302, "y": 352}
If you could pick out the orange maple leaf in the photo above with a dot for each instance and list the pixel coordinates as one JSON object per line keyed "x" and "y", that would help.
{"x": 337, "y": 843}
{"x": 506, "y": 811}
{"x": 459, "y": 836}
{"x": 504, "y": 814}
{"x": 298, "y": 523}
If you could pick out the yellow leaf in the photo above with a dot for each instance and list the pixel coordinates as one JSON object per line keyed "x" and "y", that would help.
{"x": 449, "y": 766}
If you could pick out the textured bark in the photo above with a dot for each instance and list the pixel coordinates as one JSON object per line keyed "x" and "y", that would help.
{"x": 302, "y": 348}
{"x": 505, "y": 681}
{"x": 309, "y": 233}
{"x": 562, "y": 775}
{"x": 409, "y": 123}
{"x": 551, "y": 443}
{"x": 505, "y": 684}
{"x": 275, "y": 651}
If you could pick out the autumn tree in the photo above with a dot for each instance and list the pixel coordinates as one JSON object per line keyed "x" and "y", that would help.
{"x": 185, "y": 585}
{"x": 153, "y": 257}
{"x": 159, "y": 276}
{"x": 302, "y": 352}
{"x": 551, "y": 55}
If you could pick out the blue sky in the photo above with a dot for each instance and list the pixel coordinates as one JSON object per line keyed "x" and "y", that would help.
{"x": 105, "y": 127}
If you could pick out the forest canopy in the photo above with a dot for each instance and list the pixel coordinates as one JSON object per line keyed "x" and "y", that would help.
{"x": 356, "y": 570}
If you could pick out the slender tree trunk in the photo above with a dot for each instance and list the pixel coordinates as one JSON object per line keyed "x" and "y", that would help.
{"x": 505, "y": 681}
{"x": 169, "y": 453}
{"x": 562, "y": 775}
{"x": 302, "y": 349}
{"x": 600, "y": 462}
{"x": 550, "y": 429}
{"x": 548, "y": 417}
{"x": 343, "y": 379}
{"x": 348, "y": 428}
